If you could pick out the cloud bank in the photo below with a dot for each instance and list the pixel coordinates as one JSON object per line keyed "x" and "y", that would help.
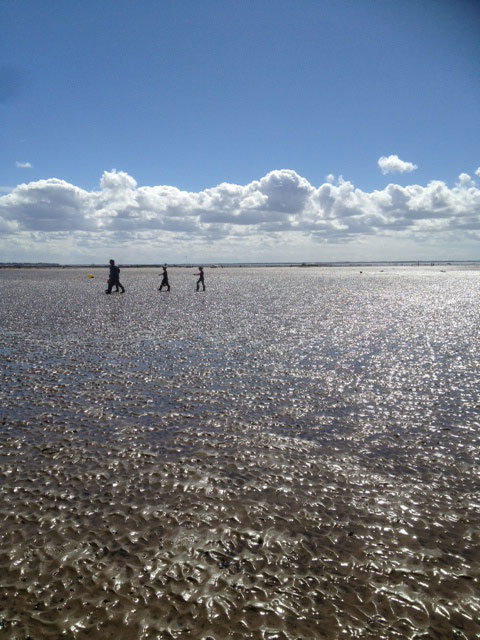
{"x": 393, "y": 164}
{"x": 23, "y": 165}
{"x": 279, "y": 216}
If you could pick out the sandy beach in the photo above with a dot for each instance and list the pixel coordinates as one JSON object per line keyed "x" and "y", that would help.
{"x": 292, "y": 454}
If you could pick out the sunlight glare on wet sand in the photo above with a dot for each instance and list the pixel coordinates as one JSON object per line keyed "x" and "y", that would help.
{"x": 293, "y": 454}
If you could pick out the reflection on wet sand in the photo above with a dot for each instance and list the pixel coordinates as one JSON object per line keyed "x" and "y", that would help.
{"x": 244, "y": 464}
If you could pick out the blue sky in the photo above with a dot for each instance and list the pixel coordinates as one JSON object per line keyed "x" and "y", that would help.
{"x": 181, "y": 97}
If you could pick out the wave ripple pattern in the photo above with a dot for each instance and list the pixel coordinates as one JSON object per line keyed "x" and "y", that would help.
{"x": 293, "y": 454}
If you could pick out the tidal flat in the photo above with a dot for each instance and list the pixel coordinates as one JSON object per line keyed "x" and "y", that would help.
{"x": 291, "y": 455}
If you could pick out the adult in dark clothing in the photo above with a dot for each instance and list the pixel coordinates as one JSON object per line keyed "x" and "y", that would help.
{"x": 201, "y": 279}
{"x": 164, "y": 280}
{"x": 114, "y": 278}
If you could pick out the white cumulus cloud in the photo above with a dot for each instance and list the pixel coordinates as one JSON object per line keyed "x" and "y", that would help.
{"x": 281, "y": 209}
{"x": 393, "y": 164}
{"x": 23, "y": 165}
{"x": 464, "y": 180}
{"x": 477, "y": 172}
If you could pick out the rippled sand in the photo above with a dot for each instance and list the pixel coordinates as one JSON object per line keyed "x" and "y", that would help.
{"x": 293, "y": 454}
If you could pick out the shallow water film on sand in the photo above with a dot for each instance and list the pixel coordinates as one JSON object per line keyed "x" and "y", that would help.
{"x": 293, "y": 454}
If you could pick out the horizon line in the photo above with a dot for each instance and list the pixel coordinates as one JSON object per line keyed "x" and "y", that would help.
{"x": 95, "y": 265}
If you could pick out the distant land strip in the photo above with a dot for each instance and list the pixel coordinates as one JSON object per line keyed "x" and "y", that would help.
{"x": 393, "y": 263}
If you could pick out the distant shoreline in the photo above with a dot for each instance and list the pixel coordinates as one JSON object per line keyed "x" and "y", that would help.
{"x": 221, "y": 265}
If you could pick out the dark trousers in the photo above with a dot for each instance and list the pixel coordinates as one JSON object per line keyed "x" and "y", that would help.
{"x": 115, "y": 283}
{"x": 200, "y": 282}
{"x": 164, "y": 284}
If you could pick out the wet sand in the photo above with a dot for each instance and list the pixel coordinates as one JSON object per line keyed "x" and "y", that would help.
{"x": 293, "y": 454}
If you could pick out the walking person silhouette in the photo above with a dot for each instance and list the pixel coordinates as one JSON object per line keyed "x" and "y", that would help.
{"x": 114, "y": 278}
{"x": 164, "y": 280}
{"x": 201, "y": 279}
